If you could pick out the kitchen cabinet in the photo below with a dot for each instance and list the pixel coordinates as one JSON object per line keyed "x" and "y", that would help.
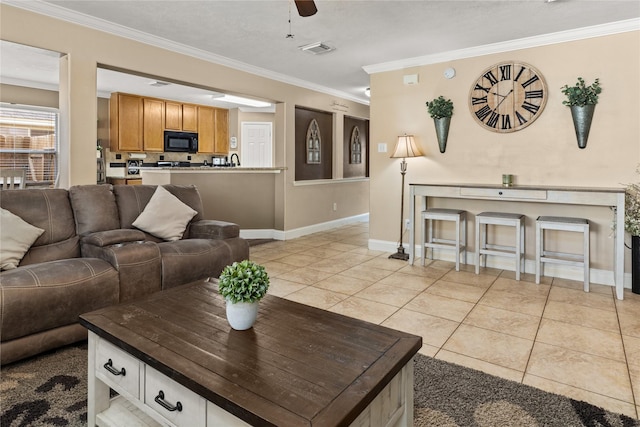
{"x": 189, "y": 118}
{"x": 222, "y": 131}
{"x": 153, "y": 124}
{"x": 181, "y": 117}
{"x": 126, "y": 122}
{"x": 124, "y": 181}
{"x": 206, "y": 129}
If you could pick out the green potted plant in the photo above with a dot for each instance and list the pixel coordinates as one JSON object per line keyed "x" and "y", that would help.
{"x": 632, "y": 225}
{"x": 243, "y": 284}
{"x": 441, "y": 110}
{"x": 582, "y": 100}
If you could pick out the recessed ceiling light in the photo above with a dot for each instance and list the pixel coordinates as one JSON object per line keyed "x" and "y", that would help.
{"x": 240, "y": 100}
{"x": 316, "y": 48}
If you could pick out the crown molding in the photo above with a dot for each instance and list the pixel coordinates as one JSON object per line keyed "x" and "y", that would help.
{"x": 57, "y": 12}
{"x": 508, "y": 46}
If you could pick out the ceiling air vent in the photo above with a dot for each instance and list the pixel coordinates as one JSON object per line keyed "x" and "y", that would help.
{"x": 316, "y": 48}
{"x": 158, "y": 83}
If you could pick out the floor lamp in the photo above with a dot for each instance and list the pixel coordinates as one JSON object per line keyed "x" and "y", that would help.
{"x": 405, "y": 147}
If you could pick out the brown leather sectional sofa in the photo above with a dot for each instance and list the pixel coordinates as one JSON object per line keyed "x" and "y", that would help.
{"x": 90, "y": 256}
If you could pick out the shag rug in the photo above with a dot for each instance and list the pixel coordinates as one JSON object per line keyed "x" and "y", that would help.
{"x": 50, "y": 390}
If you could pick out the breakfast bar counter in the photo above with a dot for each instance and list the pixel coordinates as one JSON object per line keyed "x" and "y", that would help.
{"x": 579, "y": 196}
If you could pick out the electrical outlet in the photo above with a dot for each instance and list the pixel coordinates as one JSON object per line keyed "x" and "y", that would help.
{"x": 335, "y": 206}
{"x": 407, "y": 223}
{"x": 382, "y": 147}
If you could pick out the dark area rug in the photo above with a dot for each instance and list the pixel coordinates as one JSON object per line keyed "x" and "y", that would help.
{"x": 50, "y": 390}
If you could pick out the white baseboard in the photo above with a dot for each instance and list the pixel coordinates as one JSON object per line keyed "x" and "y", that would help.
{"x": 302, "y": 231}
{"x": 602, "y": 277}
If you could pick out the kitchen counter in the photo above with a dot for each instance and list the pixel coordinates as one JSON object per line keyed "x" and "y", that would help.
{"x": 200, "y": 169}
{"x": 243, "y": 195}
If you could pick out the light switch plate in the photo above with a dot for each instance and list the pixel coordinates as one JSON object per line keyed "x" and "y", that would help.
{"x": 382, "y": 147}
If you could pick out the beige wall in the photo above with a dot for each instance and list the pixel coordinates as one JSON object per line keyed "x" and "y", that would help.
{"x": 28, "y": 96}
{"x": 85, "y": 49}
{"x": 544, "y": 153}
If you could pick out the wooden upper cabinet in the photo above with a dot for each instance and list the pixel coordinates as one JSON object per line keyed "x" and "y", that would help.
{"x": 189, "y": 118}
{"x": 222, "y": 131}
{"x": 206, "y": 129}
{"x": 173, "y": 115}
{"x": 153, "y": 131}
{"x": 181, "y": 117}
{"x": 126, "y": 122}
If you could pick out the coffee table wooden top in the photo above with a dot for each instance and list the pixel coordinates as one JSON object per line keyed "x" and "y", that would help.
{"x": 298, "y": 365}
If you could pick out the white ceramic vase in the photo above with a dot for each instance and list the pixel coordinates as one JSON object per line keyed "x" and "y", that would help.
{"x": 242, "y": 315}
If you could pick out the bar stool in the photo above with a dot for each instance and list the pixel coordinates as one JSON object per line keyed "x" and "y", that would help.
{"x": 459, "y": 245}
{"x": 562, "y": 224}
{"x": 504, "y": 219}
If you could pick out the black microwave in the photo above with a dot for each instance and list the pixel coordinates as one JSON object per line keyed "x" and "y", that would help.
{"x": 183, "y": 142}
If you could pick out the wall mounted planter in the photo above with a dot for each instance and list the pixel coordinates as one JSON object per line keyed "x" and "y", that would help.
{"x": 442, "y": 131}
{"x": 582, "y": 116}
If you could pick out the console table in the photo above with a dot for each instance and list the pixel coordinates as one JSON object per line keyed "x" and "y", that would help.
{"x": 586, "y": 196}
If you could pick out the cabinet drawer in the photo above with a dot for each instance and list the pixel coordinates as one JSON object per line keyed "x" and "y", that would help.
{"x": 173, "y": 401}
{"x": 216, "y": 416}
{"x": 503, "y": 193}
{"x": 118, "y": 369}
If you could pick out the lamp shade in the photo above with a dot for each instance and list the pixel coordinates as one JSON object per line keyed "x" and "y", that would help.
{"x": 406, "y": 147}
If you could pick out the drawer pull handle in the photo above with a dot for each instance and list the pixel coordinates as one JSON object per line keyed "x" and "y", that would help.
{"x": 160, "y": 401}
{"x": 109, "y": 367}
{"x": 500, "y": 193}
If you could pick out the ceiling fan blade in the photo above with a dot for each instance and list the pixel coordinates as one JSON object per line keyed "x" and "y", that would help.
{"x": 306, "y": 7}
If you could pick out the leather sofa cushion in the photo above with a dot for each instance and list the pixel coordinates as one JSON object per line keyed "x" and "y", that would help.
{"x": 186, "y": 261}
{"x": 50, "y": 210}
{"x": 132, "y": 199}
{"x": 94, "y": 207}
{"x": 43, "y": 296}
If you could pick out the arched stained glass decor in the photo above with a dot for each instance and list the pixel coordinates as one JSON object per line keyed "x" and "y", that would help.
{"x": 355, "y": 147}
{"x": 313, "y": 143}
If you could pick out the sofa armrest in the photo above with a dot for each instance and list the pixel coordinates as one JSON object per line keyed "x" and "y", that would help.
{"x": 212, "y": 229}
{"x": 139, "y": 265}
{"x": 112, "y": 237}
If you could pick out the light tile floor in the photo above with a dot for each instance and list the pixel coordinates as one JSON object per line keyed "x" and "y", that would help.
{"x": 552, "y": 336}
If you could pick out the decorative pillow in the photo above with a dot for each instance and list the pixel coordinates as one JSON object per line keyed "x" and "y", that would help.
{"x": 165, "y": 216}
{"x": 16, "y": 238}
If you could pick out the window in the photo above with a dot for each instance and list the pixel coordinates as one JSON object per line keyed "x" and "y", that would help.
{"x": 29, "y": 140}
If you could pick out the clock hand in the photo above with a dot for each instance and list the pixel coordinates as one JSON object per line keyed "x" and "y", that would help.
{"x": 502, "y": 100}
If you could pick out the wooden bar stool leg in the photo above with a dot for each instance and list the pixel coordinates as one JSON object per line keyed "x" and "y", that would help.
{"x": 478, "y": 246}
{"x": 518, "y": 250}
{"x": 587, "y": 278}
{"x": 464, "y": 239}
{"x": 458, "y": 244}
{"x": 539, "y": 248}
{"x": 423, "y": 251}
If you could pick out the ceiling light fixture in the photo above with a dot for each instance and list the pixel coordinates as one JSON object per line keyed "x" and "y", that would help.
{"x": 242, "y": 101}
{"x": 316, "y": 48}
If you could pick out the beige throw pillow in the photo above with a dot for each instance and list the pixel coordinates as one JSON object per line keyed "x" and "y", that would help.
{"x": 16, "y": 237}
{"x": 165, "y": 216}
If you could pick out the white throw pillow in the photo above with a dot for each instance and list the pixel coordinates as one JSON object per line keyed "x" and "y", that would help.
{"x": 16, "y": 237}
{"x": 165, "y": 216}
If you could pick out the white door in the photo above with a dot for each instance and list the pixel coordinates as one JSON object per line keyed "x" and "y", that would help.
{"x": 256, "y": 145}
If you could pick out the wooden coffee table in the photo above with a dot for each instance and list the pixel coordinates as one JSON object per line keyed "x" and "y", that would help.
{"x": 174, "y": 360}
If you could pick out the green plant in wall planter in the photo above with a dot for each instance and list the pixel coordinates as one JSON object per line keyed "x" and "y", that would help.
{"x": 243, "y": 284}
{"x": 582, "y": 100}
{"x": 441, "y": 110}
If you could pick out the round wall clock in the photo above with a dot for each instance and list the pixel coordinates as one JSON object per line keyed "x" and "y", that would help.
{"x": 508, "y": 97}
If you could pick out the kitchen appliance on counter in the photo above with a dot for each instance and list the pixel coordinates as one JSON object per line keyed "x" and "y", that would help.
{"x": 133, "y": 167}
{"x": 180, "y": 142}
{"x": 219, "y": 161}
{"x": 165, "y": 164}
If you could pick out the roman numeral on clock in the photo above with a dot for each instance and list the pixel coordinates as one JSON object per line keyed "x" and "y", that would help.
{"x": 521, "y": 119}
{"x": 493, "y": 119}
{"x": 478, "y": 101}
{"x": 505, "y": 72}
{"x": 532, "y": 108}
{"x": 530, "y": 81}
{"x": 492, "y": 79}
{"x": 533, "y": 94}
{"x": 506, "y": 121}
{"x": 483, "y": 112}
{"x": 478, "y": 87}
